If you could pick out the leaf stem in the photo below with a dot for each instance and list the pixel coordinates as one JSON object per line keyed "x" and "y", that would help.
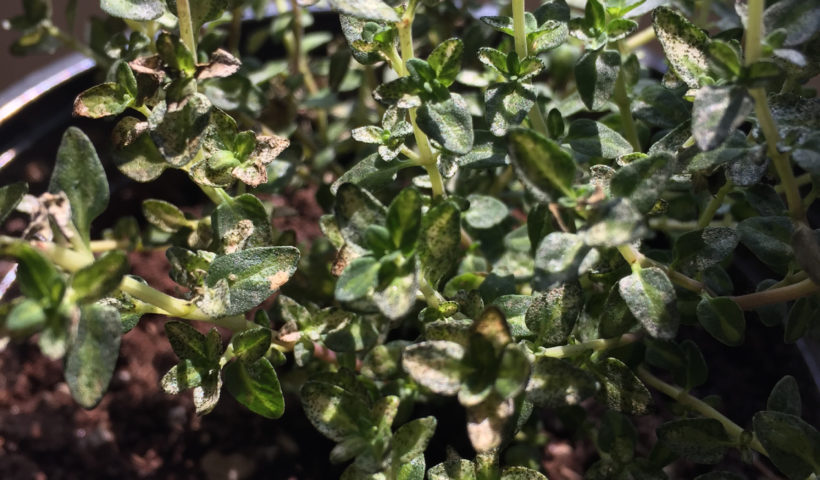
{"x": 709, "y": 212}
{"x": 217, "y": 195}
{"x": 636, "y": 258}
{"x": 428, "y": 160}
{"x": 431, "y": 296}
{"x": 698, "y": 405}
{"x": 639, "y": 39}
{"x": 186, "y": 25}
{"x": 754, "y": 37}
{"x": 621, "y": 98}
{"x": 522, "y": 50}
{"x": 777, "y": 295}
{"x": 597, "y": 345}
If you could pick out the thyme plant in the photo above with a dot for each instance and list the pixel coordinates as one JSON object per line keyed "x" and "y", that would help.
{"x": 522, "y": 213}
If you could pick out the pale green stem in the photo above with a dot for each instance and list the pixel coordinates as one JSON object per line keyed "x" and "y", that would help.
{"x": 621, "y": 98}
{"x": 235, "y": 33}
{"x": 522, "y": 50}
{"x": 637, "y": 260}
{"x": 670, "y": 224}
{"x": 431, "y": 296}
{"x": 709, "y": 212}
{"x": 777, "y": 295}
{"x": 428, "y": 160}
{"x": 639, "y": 39}
{"x": 217, "y": 195}
{"x": 186, "y": 25}
{"x": 698, "y": 405}
{"x": 71, "y": 42}
{"x": 754, "y": 37}
{"x": 597, "y": 345}
{"x": 804, "y": 179}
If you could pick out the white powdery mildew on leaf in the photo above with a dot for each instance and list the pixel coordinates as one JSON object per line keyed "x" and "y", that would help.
{"x": 684, "y": 45}
{"x": 435, "y": 364}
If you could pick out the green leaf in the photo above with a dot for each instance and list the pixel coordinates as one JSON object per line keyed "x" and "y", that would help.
{"x": 175, "y": 54}
{"x": 206, "y": 394}
{"x": 792, "y": 444}
{"x": 178, "y": 128}
{"x": 435, "y": 365}
{"x": 139, "y": 10}
{"x": 769, "y": 238}
{"x": 644, "y": 180}
{"x": 513, "y": 372}
{"x": 92, "y": 354}
{"x": 617, "y": 437}
{"x": 701, "y": 440}
{"x": 453, "y": 470}
{"x": 163, "y": 215}
{"x": 595, "y": 139}
{"x": 717, "y": 112}
{"x": 373, "y": 171}
{"x": 439, "y": 241}
{"x": 700, "y": 249}
{"x": 799, "y": 18}
{"x": 10, "y": 196}
{"x": 553, "y": 313}
{"x": 555, "y": 382}
{"x": 411, "y": 439}
{"x": 651, "y": 298}
{"x": 521, "y": 473}
{"x": 801, "y": 316}
{"x": 250, "y": 345}
{"x": 37, "y": 277}
{"x": 358, "y": 280}
{"x": 356, "y": 209}
{"x": 785, "y": 397}
{"x": 79, "y": 173}
{"x": 561, "y": 256}
{"x": 661, "y": 107}
{"x": 104, "y": 100}
{"x": 375, "y": 10}
{"x": 448, "y": 122}
{"x": 181, "y": 377}
{"x": 349, "y": 332}
{"x": 396, "y": 298}
{"x": 241, "y": 223}
{"x": 595, "y": 74}
{"x": 446, "y": 60}
{"x": 684, "y": 44}
{"x": 806, "y": 246}
{"x": 25, "y": 317}
{"x": 256, "y": 386}
{"x": 615, "y": 223}
{"x": 507, "y": 105}
{"x": 723, "y": 319}
{"x": 404, "y": 219}
{"x": 544, "y": 165}
{"x": 97, "y": 280}
{"x": 252, "y": 275}
{"x": 622, "y": 391}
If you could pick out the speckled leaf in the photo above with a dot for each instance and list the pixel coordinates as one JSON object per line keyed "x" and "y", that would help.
{"x": 397, "y": 298}
{"x": 553, "y": 313}
{"x": 249, "y": 345}
{"x": 507, "y": 105}
{"x": 206, "y": 394}
{"x": 792, "y": 444}
{"x": 488, "y": 422}
{"x": 358, "y": 280}
{"x": 700, "y": 249}
{"x": 717, "y": 112}
{"x": 97, "y": 280}
{"x": 560, "y": 255}
{"x": 595, "y": 139}
{"x": 139, "y": 10}
{"x": 435, "y": 365}
{"x": 548, "y": 36}
{"x": 622, "y": 391}
{"x": 484, "y": 212}
{"x": 785, "y": 397}
{"x": 543, "y": 164}
{"x": 79, "y": 173}
{"x": 723, "y": 319}
{"x": 616, "y": 223}
{"x": 375, "y": 10}
{"x": 617, "y": 437}
{"x": 163, "y": 215}
{"x": 252, "y": 275}
{"x": 769, "y": 238}
{"x": 513, "y": 372}
{"x": 595, "y": 74}
{"x": 651, "y": 298}
{"x": 800, "y": 318}
{"x": 177, "y": 128}
{"x": 799, "y": 18}
{"x": 404, "y": 219}
{"x": 453, "y": 470}
{"x": 555, "y": 382}
{"x": 188, "y": 343}
{"x": 337, "y": 411}
{"x": 134, "y": 153}
{"x": 411, "y": 439}
{"x": 241, "y": 223}
{"x": 103, "y": 100}
{"x": 446, "y": 60}
{"x": 448, "y": 122}
{"x": 661, "y": 107}
{"x": 256, "y": 386}
{"x": 644, "y": 180}
{"x": 352, "y": 28}
{"x": 684, "y": 44}
{"x": 521, "y": 473}
{"x": 356, "y": 209}
{"x": 439, "y": 240}
{"x": 10, "y": 196}
{"x": 92, "y": 353}
{"x": 181, "y": 377}
{"x": 701, "y": 440}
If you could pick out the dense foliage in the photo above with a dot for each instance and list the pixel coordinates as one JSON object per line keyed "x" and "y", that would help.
{"x": 521, "y": 214}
